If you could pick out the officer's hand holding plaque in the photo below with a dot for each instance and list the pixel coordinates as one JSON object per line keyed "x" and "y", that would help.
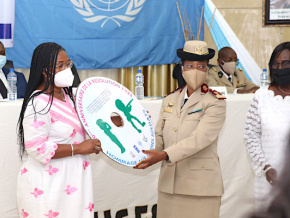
{"x": 111, "y": 113}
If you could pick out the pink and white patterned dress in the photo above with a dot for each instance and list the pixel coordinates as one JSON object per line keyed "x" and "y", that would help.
{"x": 49, "y": 187}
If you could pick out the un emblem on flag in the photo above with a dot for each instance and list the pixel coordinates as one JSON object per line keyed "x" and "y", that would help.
{"x": 108, "y": 10}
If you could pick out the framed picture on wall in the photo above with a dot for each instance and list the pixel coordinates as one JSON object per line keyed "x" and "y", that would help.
{"x": 276, "y": 12}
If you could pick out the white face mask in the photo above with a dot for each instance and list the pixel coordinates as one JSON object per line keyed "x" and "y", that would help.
{"x": 64, "y": 78}
{"x": 2, "y": 61}
{"x": 229, "y": 67}
{"x": 194, "y": 78}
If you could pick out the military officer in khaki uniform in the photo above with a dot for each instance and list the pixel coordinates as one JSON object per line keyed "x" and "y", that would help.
{"x": 227, "y": 75}
{"x": 190, "y": 181}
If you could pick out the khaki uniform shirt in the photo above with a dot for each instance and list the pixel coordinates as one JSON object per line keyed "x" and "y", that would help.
{"x": 217, "y": 78}
{"x": 189, "y": 137}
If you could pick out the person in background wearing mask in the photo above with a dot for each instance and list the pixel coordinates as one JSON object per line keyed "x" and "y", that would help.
{"x": 55, "y": 177}
{"x": 21, "y": 81}
{"x": 267, "y": 125}
{"x": 190, "y": 120}
{"x": 227, "y": 75}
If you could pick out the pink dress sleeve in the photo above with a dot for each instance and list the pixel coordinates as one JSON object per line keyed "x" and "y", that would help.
{"x": 36, "y": 125}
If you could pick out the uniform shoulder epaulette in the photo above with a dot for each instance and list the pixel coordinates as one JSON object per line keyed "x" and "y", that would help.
{"x": 218, "y": 95}
{"x": 179, "y": 88}
{"x": 204, "y": 88}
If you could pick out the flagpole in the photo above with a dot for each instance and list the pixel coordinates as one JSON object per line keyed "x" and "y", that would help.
{"x": 200, "y": 23}
{"x": 211, "y": 23}
{"x": 190, "y": 33}
{"x": 180, "y": 20}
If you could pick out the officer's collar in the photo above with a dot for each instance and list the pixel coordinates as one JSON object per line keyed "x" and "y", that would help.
{"x": 226, "y": 75}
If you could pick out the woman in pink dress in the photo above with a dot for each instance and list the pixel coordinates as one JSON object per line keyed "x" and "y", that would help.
{"x": 55, "y": 179}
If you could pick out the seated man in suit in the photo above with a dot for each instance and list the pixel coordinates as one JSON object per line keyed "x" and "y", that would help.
{"x": 21, "y": 81}
{"x": 227, "y": 75}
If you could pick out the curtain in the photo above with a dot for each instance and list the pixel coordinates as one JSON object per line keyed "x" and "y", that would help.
{"x": 158, "y": 80}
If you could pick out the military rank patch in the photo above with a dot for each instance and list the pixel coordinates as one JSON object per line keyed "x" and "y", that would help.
{"x": 204, "y": 88}
{"x": 217, "y": 94}
{"x": 169, "y": 107}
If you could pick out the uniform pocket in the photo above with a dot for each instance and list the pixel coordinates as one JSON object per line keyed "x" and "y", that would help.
{"x": 168, "y": 120}
{"x": 194, "y": 116}
{"x": 202, "y": 164}
{"x": 168, "y": 116}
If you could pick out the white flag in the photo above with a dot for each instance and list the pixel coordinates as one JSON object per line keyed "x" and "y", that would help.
{"x": 7, "y": 18}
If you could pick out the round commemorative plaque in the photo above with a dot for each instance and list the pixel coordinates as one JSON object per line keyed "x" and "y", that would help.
{"x": 112, "y": 114}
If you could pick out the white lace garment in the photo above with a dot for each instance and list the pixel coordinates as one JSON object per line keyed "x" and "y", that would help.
{"x": 266, "y": 135}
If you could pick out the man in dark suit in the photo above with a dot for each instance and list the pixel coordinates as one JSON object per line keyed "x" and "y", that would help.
{"x": 21, "y": 81}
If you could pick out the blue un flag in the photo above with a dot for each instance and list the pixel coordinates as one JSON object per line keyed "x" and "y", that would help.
{"x": 105, "y": 33}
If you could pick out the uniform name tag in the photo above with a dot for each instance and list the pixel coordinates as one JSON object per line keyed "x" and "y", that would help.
{"x": 169, "y": 110}
{"x": 169, "y": 107}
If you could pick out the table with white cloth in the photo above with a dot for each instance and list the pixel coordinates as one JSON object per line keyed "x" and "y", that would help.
{"x": 121, "y": 191}
{"x": 10, "y": 162}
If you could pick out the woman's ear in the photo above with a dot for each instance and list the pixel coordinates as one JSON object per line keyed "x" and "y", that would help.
{"x": 182, "y": 71}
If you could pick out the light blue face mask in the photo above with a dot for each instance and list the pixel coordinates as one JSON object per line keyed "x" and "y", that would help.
{"x": 2, "y": 61}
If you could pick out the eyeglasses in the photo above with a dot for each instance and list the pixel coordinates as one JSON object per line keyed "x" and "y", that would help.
{"x": 202, "y": 67}
{"x": 69, "y": 64}
{"x": 285, "y": 64}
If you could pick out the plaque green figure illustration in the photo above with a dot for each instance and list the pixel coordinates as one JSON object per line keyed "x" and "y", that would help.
{"x": 126, "y": 110}
{"x": 107, "y": 130}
